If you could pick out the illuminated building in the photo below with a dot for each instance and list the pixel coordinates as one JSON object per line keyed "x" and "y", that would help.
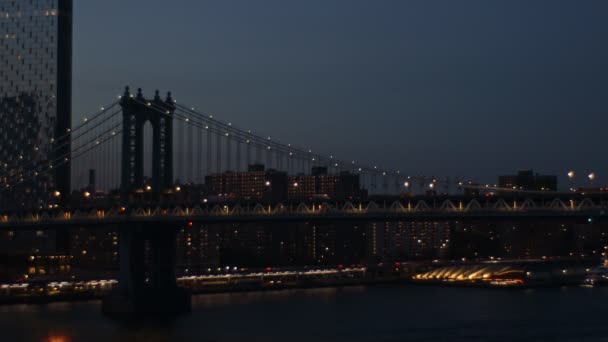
{"x": 94, "y": 249}
{"x": 321, "y": 185}
{"x": 255, "y": 184}
{"x": 402, "y": 240}
{"x": 301, "y": 187}
{"x": 34, "y": 267}
{"x": 271, "y": 185}
{"x": 197, "y": 249}
{"x": 35, "y": 100}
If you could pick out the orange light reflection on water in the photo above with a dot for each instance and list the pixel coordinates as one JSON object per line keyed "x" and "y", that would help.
{"x": 57, "y": 338}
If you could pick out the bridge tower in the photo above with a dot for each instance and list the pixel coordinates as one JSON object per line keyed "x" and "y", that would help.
{"x": 147, "y": 283}
{"x": 136, "y": 112}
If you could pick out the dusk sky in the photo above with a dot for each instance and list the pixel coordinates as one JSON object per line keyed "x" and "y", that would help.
{"x": 470, "y": 88}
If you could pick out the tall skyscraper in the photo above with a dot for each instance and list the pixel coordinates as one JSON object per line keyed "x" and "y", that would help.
{"x": 35, "y": 100}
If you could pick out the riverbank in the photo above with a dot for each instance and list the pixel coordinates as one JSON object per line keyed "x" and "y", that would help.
{"x": 44, "y": 293}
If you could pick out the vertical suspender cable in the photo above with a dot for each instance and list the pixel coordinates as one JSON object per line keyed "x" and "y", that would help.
{"x": 190, "y": 158}
{"x": 209, "y": 150}
{"x": 228, "y": 152}
{"x": 199, "y": 160}
{"x": 218, "y": 153}
{"x": 249, "y": 153}
{"x": 238, "y": 153}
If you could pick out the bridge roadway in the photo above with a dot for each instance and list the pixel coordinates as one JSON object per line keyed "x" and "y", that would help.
{"x": 417, "y": 209}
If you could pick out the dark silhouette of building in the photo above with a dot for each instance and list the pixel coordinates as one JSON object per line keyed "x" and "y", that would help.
{"x": 528, "y": 180}
{"x": 472, "y": 189}
{"x": 35, "y": 100}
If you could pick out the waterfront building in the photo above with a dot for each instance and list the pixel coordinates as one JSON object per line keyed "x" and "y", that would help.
{"x": 197, "y": 249}
{"x": 35, "y": 100}
{"x": 42, "y": 266}
{"x": 404, "y": 240}
{"x": 94, "y": 249}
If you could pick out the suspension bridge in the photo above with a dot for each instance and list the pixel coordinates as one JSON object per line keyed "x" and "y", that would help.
{"x": 145, "y": 200}
{"x": 184, "y": 146}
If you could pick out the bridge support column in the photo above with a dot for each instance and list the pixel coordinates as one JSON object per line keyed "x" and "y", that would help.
{"x": 147, "y": 283}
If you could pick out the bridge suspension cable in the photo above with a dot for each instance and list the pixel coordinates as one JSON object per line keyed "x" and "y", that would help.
{"x": 75, "y": 153}
{"x": 72, "y": 135}
{"x": 64, "y": 145}
{"x": 82, "y": 148}
{"x": 276, "y": 150}
{"x": 307, "y": 157}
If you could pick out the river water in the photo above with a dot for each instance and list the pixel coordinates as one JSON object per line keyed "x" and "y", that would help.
{"x": 379, "y": 313}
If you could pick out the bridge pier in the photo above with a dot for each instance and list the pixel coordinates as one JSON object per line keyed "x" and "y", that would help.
{"x": 147, "y": 284}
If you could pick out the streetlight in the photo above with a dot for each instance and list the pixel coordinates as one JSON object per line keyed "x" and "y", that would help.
{"x": 571, "y": 175}
{"x": 591, "y": 176}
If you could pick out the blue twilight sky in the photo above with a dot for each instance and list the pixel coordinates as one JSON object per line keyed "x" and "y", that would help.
{"x": 437, "y": 87}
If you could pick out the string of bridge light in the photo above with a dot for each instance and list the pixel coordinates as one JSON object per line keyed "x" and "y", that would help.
{"x": 61, "y": 147}
{"x": 62, "y": 162}
{"x": 65, "y": 142}
{"x": 209, "y": 123}
{"x": 288, "y": 149}
{"x": 73, "y": 154}
{"x": 100, "y": 143}
{"x": 295, "y": 151}
{"x": 209, "y": 126}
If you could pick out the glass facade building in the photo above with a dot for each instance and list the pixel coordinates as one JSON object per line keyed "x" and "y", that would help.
{"x": 35, "y": 100}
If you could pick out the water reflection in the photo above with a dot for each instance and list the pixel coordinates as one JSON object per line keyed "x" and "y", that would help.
{"x": 328, "y": 294}
{"x": 54, "y": 337}
{"x": 351, "y": 314}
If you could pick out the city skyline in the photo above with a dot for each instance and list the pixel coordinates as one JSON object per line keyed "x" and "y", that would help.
{"x": 353, "y": 163}
{"x": 301, "y": 79}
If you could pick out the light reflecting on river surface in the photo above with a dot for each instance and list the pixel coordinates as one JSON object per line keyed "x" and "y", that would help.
{"x": 390, "y": 313}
